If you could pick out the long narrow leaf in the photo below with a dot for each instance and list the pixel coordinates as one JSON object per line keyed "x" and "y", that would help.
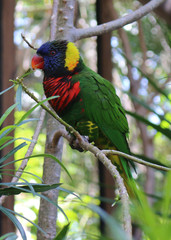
{"x": 8, "y": 129}
{"x": 26, "y": 172}
{"x": 14, "y": 220}
{"x": 116, "y": 230}
{"x": 63, "y": 233}
{"x": 27, "y": 121}
{"x": 164, "y": 131}
{"x": 55, "y": 159}
{"x": 5, "y": 131}
{"x": 28, "y": 184}
{"x": 9, "y": 236}
{"x": 33, "y": 108}
{"x": 12, "y": 152}
{"x": 7, "y": 112}
{"x": 7, "y": 89}
{"x": 13, "y": 140}
{"x": 50, "y": 201}
{"x": 26, "y": 189}
{"x": 40, "y": 229}
{"x": 5, "y": 140}
{"x": 43, "y": 155}
{"x": 70, "y": 192}
{"x": 28, "y": 72}
{"x": 18, "y": 97}
{"x": 145, "y": 105}
{"x": 149, "y": 78}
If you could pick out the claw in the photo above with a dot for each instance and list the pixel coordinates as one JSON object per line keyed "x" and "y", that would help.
{"x": 74, "y": 143}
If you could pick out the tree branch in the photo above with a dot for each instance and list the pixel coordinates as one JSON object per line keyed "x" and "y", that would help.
{"x": 137, "y": 160}
{"x": 65, "y": 30}
{"x": 54, "y": 17}
{"x": 113, "y": 25}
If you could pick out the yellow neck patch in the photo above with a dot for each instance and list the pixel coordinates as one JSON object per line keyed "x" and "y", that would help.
{"x": 72, "y": 56}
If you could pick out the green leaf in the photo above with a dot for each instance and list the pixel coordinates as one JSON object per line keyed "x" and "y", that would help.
{"x": 63, "y": 233}
{"x": 9, "y": 236}
{"x": 167, "y": 196}
{"x": 12, "y": 152}
{"x": 70, "y": 192}
{"x": 33, "y": 108}
{"x": 5, "y": 131}
{"x": 13, "y": 140}
{"x": 14, "y": 220}
{"x": 40, "y": 229}
{"x": 164, "y": 131}
{"x": 55, "y": 159}
{"x": 4, "y": 140}
{"x": 7, "y": 89}
{"x": 7, "y": 112}
{"x": 50, "y": 201}
{"x": 13, "y": 170}
{"x": 149, "y": 78}
{"x": 37, "y": 188}
{"x": 18, "y": 97}
{"x": 28, "y": 72}
{"x": 48, "y": 156}
{"x": 145, "y": 105}
{"x": 115, "y": 229}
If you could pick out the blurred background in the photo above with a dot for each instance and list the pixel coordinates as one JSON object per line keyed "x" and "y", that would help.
{"x": 136, "y": 59}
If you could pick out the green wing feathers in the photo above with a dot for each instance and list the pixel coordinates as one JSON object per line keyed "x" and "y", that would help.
{"x": 103, "y": 107}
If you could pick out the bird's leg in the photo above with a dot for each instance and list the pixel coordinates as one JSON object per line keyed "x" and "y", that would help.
{"x": 74, "y": 143}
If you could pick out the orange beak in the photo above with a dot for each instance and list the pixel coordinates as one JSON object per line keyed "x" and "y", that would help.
{"x": 37, "y": 62}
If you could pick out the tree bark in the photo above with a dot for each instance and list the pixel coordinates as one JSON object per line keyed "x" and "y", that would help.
{"x": 7, "y": 71}
{"x": 163, "y": 11}
{"x": 51, "y": 174}
{"x": 61, "y": 24}
{"x": 104, "y": 66}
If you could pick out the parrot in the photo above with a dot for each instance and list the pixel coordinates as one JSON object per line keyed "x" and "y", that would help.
{"x": 86, "y": 101}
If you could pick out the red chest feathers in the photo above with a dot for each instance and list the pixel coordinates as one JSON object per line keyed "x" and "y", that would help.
{"x": 62, "y": 87}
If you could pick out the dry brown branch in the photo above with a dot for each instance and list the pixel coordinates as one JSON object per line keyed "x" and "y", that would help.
{"x": 29, "y": 44}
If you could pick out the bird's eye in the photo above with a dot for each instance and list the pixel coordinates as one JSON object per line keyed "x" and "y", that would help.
{"x": 52, "y": 52}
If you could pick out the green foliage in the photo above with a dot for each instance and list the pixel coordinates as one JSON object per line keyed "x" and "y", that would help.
{"x": 154, "y": 220}
{"x": 63, "y": 233}
{"x": 12, "y": 188}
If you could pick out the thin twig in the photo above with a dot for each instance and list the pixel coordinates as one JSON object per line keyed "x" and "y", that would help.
{"x": 135, "y": 159}
{"x": 29, "y": 44}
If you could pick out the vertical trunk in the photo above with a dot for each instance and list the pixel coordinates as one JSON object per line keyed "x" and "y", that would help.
{"x": 104, "y": 64}
{"x": 7, "y": 70}
{"x": 51, "y": 174}
{"x": 61, "y": 23}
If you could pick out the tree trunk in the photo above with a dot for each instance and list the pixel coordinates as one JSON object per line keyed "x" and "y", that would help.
{"x": 51, "y": 174}
{"x": 104, "y": 65}
{"x": 61, "y": 23}
{"x": 7, "y": 71}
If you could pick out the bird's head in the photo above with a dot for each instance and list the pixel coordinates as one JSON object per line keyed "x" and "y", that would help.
{"x": 56, "y": 58}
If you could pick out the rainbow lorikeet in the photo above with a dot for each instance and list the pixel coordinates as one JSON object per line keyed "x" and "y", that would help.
{"x": 86, "y": 100}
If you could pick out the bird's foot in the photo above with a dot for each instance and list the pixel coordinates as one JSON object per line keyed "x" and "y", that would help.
{"x": 74, "y": 143}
